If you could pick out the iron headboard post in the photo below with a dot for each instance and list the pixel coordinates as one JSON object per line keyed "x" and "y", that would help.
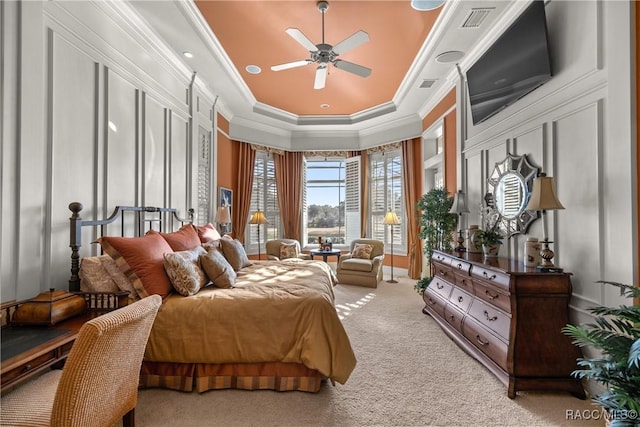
{"x": 75, "y": 241}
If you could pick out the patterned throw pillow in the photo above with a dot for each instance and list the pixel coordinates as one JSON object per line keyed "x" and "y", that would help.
{"x": 141, "y": 259}
{"x": 362, "y": 251}
{"x": 218, "y": 269}
{"x": 288, "y": 250}
{"x": 119, "y": 278}
{"x": 183, "y": 269}
{"x": 94, "y": 277}
{"x": 234, "y": 252}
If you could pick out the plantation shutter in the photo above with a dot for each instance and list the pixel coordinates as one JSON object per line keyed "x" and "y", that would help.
{"x": 352, "y": 199}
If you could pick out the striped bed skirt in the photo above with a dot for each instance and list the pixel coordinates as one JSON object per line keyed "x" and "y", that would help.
{"x": 244, "y": 376}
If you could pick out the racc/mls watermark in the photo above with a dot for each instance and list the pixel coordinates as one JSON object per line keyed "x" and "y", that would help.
{"x": 601, "y": 414}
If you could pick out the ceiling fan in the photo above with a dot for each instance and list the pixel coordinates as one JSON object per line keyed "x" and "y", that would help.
{"x": 323, "y": 54}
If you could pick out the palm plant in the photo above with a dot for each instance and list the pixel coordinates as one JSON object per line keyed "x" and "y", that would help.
{"x": 616, "y": 335}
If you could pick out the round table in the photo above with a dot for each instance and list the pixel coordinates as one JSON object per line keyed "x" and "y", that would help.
{"x": 325, "y": 254}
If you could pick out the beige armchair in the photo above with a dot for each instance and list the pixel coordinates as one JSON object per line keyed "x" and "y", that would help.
{"x": 362, "y": 272}
{"x": 273, "y": 249}
{"x": 99, "y": 383}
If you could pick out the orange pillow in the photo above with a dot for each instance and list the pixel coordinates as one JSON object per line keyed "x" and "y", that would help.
{"x": 185, "y": 239}
{"x": 141, "y": 259}
{"x": 208, "y": 233}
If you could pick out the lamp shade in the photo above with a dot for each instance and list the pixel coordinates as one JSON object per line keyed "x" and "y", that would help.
{"x": 459, "y": 203}
{"x": 391, "y": 218}
{"x": 543, "y": 196}
{"x": 258, "y": 218}
{"x": 424, "y": 5}
{"x": 222, "y": 215}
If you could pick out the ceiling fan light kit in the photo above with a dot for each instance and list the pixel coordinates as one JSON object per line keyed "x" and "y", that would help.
{"x": 324, "y": 54}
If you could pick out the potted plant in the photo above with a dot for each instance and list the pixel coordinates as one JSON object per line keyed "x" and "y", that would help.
{"x": 615, "y": 335}
{"x": 490, "y": 240}
{"x": 436, "y": 225}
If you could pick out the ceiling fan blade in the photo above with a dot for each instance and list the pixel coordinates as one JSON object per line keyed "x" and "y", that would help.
{"x": 352, "y": 68}
{"x": 321, "y": 76}
{"x": 351, "y": 42}
{"x": 302, "y": 39}
{"x": 288, "y": 65}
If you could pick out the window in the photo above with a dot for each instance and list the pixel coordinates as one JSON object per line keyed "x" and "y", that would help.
{"x": 264, "y": 197}
{"x": 331, "y": 205}
{"x": 387, "y": 193}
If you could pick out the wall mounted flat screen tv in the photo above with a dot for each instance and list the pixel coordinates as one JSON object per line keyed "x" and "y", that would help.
{"x": 517, "y": 63}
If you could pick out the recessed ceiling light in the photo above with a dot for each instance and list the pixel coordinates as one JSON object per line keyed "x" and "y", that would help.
{"x": 324, "y": 105}
{"x": 187, "y": 54}
{"x": 253, "y": 69}
{"x": 450, "y": 56}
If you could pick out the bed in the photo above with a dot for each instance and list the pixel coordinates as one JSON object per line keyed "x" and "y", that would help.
{"x": 274, "y": 327}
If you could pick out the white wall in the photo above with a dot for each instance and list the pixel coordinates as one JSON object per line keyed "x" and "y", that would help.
{"x": 578, "y": 128}
{"x": 92, "y": 111}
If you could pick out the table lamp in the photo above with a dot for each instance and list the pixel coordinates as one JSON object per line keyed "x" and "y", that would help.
{"x": 543, "y": 198}
{"x": 258, "y": 218}
{"x": 223, "y": 219}
{"x": 459, "y": 207}
{"x": 391, "y": 219}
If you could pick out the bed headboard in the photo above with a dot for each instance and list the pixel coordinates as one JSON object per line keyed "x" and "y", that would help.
{"x": 139, "y": 218}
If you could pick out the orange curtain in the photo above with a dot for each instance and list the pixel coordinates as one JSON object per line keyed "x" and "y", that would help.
{"x": 242, "y": 208}
{"x": 364, "y": 199}
{"x": 409, "y": 175}
{"x": 289, "y": 178}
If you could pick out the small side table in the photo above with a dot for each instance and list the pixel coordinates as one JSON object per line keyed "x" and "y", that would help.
{"x": 325, "y": 254}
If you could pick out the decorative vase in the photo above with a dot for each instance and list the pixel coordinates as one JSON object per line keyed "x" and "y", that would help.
{"x": 491, "y": 251}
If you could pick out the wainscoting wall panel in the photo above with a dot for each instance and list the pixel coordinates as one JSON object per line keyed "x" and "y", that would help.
{"x": 577, "y": 128}
{"x": 104, "y": 119}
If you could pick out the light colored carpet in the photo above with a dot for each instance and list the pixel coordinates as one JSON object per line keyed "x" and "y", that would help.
{"x": 409, "y": 373}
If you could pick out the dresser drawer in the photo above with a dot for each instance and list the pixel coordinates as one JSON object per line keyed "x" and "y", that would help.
{"x": 493, "y": 296}
{"x": 460, "y": 266}
{"x": 463, "y": 281}
{"x": 488, "y": 343}
{"x": 495, "y": 278}
{"x": 441, "y": 258}
{"x": 453, "y": 316}
{"x": 460, "y": 299}
{"x": 442, "y": 287}
{"x": 434, "y": 301}
{"x": 491, "y": 317}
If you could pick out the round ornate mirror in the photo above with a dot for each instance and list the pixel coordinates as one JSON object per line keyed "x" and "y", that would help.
{"x": 510, "y": 186}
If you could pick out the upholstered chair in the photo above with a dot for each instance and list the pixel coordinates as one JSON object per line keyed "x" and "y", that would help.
{"x": 275, "y": 249}
{"x": 99, "y": 382}
{"x": 355, "y": 268}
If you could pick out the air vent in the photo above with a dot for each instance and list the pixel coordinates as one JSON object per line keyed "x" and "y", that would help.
{"x": 427, "y": 83}
{"x": 476, "y": 17}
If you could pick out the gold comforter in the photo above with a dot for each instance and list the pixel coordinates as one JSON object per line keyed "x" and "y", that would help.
{"x": 278, "y": 312}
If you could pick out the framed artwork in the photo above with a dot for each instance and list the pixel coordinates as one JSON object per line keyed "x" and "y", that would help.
{"x": 225, "y": 198}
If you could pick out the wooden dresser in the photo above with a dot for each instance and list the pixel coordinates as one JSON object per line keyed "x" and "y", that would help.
{"x": 507, "y": 316}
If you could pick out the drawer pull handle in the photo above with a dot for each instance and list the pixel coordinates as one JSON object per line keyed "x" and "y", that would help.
{"x": 460, "y": 299}
{"x": 432, "y": 301}
{"x": 452, "y": 317}
{"x": 480, "y": 340}
{"x": 491, "y": 297}
{"x": 439, "y": 285}
{"x": 459, "y": 266}
{"x": 28, "y": 368}
{"x": 443, "y": 273}
{"x": 490, "y": 319}
{"x": 493, "y": 276}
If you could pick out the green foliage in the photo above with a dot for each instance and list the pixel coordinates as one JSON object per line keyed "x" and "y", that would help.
{"x": 422, "y": 284}
{"x": 487, "y": 237}
{"x": 436, "y": 223}
{"x": 615, "y": 333}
